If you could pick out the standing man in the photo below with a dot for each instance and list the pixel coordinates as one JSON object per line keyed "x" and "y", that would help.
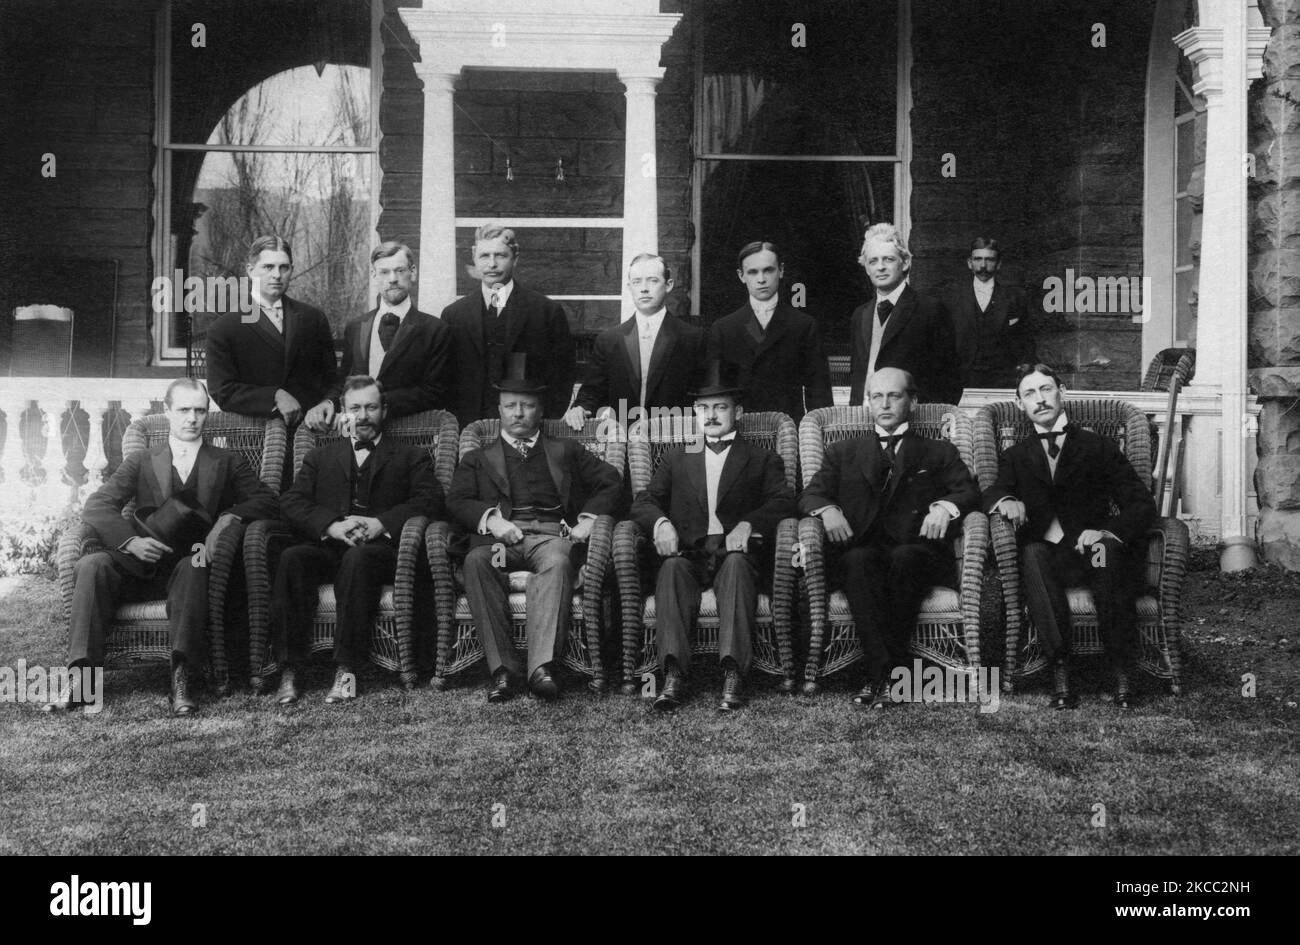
{"x": 501, "y": 318}
{"x": 710, "y": 513}
{"x": 526, "y": 500}
{"x": 181, "y": 488}
{"x": 651, "y": 360}
{"x": 899, "y": 327}
{"x": 887, "y": 502}
{"x": 348, "y": 504}
{"x": 278, "y": 358}
{"x": 990, "y": 321}
{"x": 1057, "y": 489}
{"x": 406, "y": 350}
{"x": 771, "y": 350}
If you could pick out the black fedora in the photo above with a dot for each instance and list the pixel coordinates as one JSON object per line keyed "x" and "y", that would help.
{"x": 713, "y": 385}
{"x": 516, "y": 380}
{"x": 175, "y": 523}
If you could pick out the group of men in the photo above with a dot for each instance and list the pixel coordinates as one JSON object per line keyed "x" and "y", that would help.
{"x": 889, "y": 502}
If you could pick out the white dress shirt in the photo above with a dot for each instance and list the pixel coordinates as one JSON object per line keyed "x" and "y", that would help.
{"x": 377, "y": 350}
{"x": 502, "y": 292}
{"x": 984, "y": 293}
{"x": 713, "y": 463}
{"x": 763, "y": 311}
{"x": 877, "y": 329}
{"x": 184, "y": 454}
{"x": 360, "y": 456}
{"x": 647, "y": 331}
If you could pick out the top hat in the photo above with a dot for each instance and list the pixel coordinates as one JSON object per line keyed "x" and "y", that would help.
{"x": 515, "y": 381}
{"x": 175, "y": 523}
{"x": 713, "y": 385}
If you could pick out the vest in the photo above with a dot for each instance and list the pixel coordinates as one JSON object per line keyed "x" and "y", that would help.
{"x": 360, "y": 480}
{"x": 532, "y": 490}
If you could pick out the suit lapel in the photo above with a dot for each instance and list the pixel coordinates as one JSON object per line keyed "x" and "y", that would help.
{"x": 361, "y": 356}
{"x": 495, "y": 457}
{"x": 404, "y": 332}
{"x": 898, "y": 317}
{"x": 733, "y": 466}
{"x": 514, "y": 315}
{"x": 776, "y": 328}
{"x": 205, "y": 462}
{"x": 264, "y": 331}
{"x": 698, "y": 478}
{"x": 559, "y": 469}
{"x": 292, "y": 326}
{"x": 473, "y": 316}
{"x": 871, "y": 462}
{"x": 1067, "y": 464}
{"x": 162, "y": 471}
{"x": 633, "y": 349}
{"x": 665, "y": 341}
{"x": 908, "y": 454}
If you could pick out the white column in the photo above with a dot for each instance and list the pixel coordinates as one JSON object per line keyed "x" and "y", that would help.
{"x": 437, "y": 191}
{"x": 640, "y": 176}
{"x": 1218, "y": 50}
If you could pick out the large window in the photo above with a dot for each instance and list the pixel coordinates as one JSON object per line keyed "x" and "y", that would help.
{"x": 268, "y": 127}
{"x": 799, "y": 139}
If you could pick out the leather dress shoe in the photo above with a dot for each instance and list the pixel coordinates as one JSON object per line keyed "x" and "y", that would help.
{"x": 182, "y": 702}
{"x": 733, "y": 690}
{"x": 1061, "y": 697}
{"x": 673, "y": 693}
{"x": 542, "y": 683}
{"x": 786, "y": 686}
{"x": 288, "y": 693}
{"x": 344, "y": 688}
{"x": 500, "y": 689}
{"x": 874, "y": 696}
{"x": 71, "y": 699}
{"x": 1124, "y": 699}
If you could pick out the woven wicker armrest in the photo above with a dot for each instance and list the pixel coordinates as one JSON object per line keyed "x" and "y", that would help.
{"x": 975, "y": 542}
{"x": 408, "y": 558}
{"x": 1006, "y": 557}
{"x": 811, "y": 554}
{"x": 76, "y": 541}
{"x": 629, "y": 539}
{"x": 437, "y": 538}
{"x": 260, "y": 539}
{"x": 596, "y": 572}
{"x": 222, "y": 563}
{"x": 783, "y": 590}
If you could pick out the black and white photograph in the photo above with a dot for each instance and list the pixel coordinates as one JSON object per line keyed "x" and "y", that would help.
{"x": 651, "y": 427}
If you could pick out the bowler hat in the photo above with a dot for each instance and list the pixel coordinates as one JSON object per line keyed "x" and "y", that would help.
{"x": 516, "y": 381}
{"x": 175, "y": 523}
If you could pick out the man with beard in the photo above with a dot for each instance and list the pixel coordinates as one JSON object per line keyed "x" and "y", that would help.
{"x": 887, "y": 501}
{"x": 990, "y": 321}
{"x": 406, "y": 350}
{"x": 526, "y": 500}
{"x": 349, "y": 502}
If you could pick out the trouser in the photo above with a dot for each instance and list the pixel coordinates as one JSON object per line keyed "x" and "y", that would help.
{"x": 734, "y": 577}
{"x": 100, "y": 583}
{"x": 885, "y": 585}
{"x": 1110, "y": 572}
{"x": 550, "y": 595}
{"x": 358, "y": 573}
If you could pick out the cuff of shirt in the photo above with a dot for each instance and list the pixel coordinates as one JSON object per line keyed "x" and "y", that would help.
{"x": 997, "y": 506}
{"x": 654, "y": 535}
{"x": 817, "y": 513}
{"x": 482, "y": 523}
{"x": 950, "y": 508}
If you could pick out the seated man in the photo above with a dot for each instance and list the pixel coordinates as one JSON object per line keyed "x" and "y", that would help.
{"x": 1057, "y": 490}
{"x": 887, "y": 502}
{"x": 526, "y": 500}
{"x": 186, "y": 484}
{"x": 349, "y": 502}
{"x": 708, "y": 510}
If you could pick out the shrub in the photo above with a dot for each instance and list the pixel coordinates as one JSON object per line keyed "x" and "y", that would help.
{"x": 28, "y": 546}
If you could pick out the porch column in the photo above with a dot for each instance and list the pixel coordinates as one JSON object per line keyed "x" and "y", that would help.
{"x": 437, "y": 285}
{"x": 640, "y": 182}
{"x": 1218, "y": 51}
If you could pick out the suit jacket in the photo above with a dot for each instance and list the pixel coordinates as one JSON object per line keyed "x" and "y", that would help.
{"x": 585, "y": 484}
{"x": 402, "y": 485}
{"x": 880, "y": 504}
{"x": 918, "y": 338}
{"x": 249, "y": 362}
{"x": 1091, "y": 475}
{"x": 782, "y": 369}
{"x": 535, "y": 325}
{"x": 1008, "y": 315}
{"x": 614, "y": 369}
{"x": 224, "y": 483}
{"x": 414, "y": 369}
{"x": 752, "y": 489}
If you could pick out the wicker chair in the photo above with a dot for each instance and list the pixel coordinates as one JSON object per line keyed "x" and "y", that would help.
{"x": 459, "y": 646}
{"x": 141, "y": 631}
{"x": 392, "y": 642}
{"x": 948, "y": 625}
{"x": 773, "y": 646}
{"x": 997, "y": 427}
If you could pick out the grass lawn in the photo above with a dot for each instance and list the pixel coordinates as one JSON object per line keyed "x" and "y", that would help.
{"x": 1211, "y": 772}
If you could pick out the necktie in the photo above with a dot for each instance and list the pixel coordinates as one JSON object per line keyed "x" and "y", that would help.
{"x": 888, "y": 443}
{"x": 494, "y": 307}
{"x": 883, "y": 310}
{"x": 276, "y": 315}
{"x": 1052, "y": 449}
{"x": 522, "y": 448}
{"x": 363, "y": 445}
{"x": 718, "y": 446}
{"x": 388, "y": 328}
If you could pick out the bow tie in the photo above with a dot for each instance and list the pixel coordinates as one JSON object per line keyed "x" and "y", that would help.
{"x": 363, "y": 445}
{"x": 888, "y": 441}
{"x": 1052, "y": 449}
{"x": 718, "y": 446}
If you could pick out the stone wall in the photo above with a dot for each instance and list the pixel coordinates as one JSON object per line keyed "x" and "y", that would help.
{"x": 1273, "y": 351}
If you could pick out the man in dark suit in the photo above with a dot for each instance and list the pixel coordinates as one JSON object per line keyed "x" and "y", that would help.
{"x": 188, "y": 485}
{"x": 900, "y": 328}
{"x": 651, "y": 361}
{"x": 278, "y": 358}
{"x": 526, "y": 501}
{"x": 708, "y": 510}
{"x": 404, "y": 349}
{"x": 1057, "y": 489}
{"x": 349, "y": 502}
{"x": 887, "y": 502}
{"x": 768, "y": 348}
{"x": 990, "y": 321}
{"x": 499, "y": 318}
